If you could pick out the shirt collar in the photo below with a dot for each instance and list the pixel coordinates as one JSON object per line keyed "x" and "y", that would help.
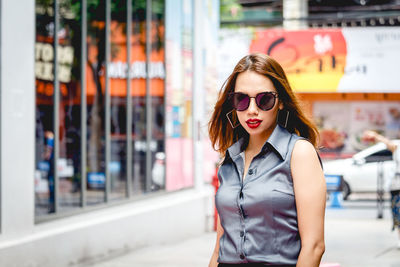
{"x": 237, "y": 147}
{"x": 278, "y": 141}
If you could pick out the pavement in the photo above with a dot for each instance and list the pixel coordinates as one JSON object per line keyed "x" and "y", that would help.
{"x": 354, "y": 237}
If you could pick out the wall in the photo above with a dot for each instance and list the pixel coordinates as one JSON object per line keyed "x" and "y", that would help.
{"x": 98, "y": 235}
{"x": 17, "y": 117}
{"x": 81, "y": 238}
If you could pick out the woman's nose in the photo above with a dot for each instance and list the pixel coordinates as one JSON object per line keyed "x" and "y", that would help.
{"x": 253, "y": 108}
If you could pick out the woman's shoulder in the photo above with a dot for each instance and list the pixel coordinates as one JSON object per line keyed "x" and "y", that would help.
{"x": 303, "y": 147}
{"x": 304, "y": 151}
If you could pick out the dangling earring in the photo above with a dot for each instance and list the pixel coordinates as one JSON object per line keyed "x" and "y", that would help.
{"x": 227, "y": 116}
{"x": 283, "y": 117}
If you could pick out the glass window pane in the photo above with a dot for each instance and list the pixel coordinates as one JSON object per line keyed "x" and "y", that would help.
{"x": 69, "y": 66}
{"x": 69, "y": 75}
{"x": 95, "y": 79}
{"x": 157, "y": 92}
{"x": 118, "y": 91}
{"x": 44, "y": 156}
{"x": 138, "y": 89}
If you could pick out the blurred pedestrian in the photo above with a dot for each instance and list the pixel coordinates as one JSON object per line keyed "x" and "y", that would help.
{"x": 49, "y": 157}
{"x": 394, "y": 183}
{"x": 271, "y": 199}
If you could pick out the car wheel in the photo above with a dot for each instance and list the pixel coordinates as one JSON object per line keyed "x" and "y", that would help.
{"x": 346, "y": 190}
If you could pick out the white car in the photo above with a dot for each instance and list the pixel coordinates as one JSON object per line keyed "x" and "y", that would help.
{"x": 360, "y": 173}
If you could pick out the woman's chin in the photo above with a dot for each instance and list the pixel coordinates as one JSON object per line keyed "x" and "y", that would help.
{"x": 255, "y": 132}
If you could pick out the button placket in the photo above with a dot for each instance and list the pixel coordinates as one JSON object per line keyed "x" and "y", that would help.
{"x": 242, "y": 222}
{"x": 240, "y": 167}
{"x": 252, "y": 171}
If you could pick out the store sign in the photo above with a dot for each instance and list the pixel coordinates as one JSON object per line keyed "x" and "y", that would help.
{"x": 341, "y": 124}
{"x": 330, "y": 60}
{"x": 372, "y": 62}
{"x": 44, "y": 57}
{"x": 119, "y": 69}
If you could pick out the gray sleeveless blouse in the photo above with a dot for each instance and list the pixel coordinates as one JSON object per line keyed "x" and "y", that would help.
{"x": 259, "y": 214}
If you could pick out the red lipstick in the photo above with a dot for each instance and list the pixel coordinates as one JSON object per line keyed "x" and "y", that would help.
{"x": 253, "y": 123}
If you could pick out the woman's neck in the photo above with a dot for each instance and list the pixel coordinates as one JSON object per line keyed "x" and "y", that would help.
{"x": 256, "y": 142}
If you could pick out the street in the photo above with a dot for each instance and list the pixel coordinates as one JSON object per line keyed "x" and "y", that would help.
{"x": 354, "y": 237}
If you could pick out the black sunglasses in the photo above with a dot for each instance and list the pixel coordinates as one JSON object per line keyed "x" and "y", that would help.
{"x": 265, "y": 101}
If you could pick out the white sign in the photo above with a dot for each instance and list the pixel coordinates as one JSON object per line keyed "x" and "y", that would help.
{"x": 372, "y": 61}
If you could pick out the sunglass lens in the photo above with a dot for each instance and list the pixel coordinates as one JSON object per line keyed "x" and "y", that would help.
{"x": 265, "y": 101}
{"x": 240, "y": 101}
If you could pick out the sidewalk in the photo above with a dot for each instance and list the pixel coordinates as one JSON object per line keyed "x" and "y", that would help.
{"x": 354, "y": 237}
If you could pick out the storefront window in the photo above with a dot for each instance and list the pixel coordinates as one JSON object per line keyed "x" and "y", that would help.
{"x": 157, "y": 76}
{"x": 95, "y": 88}
{"x": 138, "y": 87}
{"x": 118, "y": 109}
{"x": 44, "y": 149}
{"x": 92, "y": 120}
{"x": 69, "y": 75}
{"x": 68, "y": 78}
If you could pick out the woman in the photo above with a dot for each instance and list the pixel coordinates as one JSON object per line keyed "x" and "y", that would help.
{"x": 394, "y": 183}
{"x": 271, "y": 199}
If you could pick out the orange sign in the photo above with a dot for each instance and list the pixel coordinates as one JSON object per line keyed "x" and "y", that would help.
{"x": 314, "y": 60}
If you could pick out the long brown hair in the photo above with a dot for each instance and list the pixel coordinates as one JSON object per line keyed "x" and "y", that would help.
{"x": 222, "y": 135}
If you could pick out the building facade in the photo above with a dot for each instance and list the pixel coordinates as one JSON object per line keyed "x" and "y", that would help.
{"x": 340, "y": 58}
{"x": 102, "y": 127}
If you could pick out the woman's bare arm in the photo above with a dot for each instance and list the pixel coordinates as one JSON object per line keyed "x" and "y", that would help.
{"x": 214, "y": 256}
{"x": 310, "y": 193}
{"x": 371, "y": 135}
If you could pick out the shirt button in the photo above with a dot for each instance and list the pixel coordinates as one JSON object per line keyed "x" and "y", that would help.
{"x": 241, "y": 233}
{"x": 242, "y": 256}
{"x": 251, "y": 171}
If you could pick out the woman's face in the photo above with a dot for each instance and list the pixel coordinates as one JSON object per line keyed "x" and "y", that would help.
{"x": 254, "y": 120}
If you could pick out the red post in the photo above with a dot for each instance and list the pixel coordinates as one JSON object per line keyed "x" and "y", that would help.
{"x": 215, "y": 184}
